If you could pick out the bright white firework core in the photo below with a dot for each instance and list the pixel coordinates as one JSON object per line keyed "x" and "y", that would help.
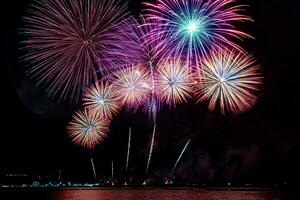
{"x": 222, "y": 80}
{"x": 101, "y": 101}
{"x": 89, "y": 129}
{"x": 137, "y": 72}
{"x": 192, "y": 27}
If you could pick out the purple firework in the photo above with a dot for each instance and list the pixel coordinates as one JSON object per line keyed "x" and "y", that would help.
{"x": 132, "y": 47}
{"x": 192, "y": 28}
{"x": 63, "y": 39}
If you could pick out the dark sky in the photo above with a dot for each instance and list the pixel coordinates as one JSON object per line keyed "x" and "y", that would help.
{"x": 260, "y": 146}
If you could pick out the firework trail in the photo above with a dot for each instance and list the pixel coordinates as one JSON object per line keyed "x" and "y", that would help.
{"x": 179, "y": 158}
{"x": 102, "y": 98}
{"x": 135, "y": 50}
{"x": 112, "y": 172}
{"x": 63, "y": 39}
{"x": 128, "y": 150}
{"x": 88, "y": 129}
{"x": 229, "y": 80}
{"x": 153, "y": 101}
{"x": 151, "y": 148}
{"x": 173, "y": 83}
{"x": 94, "y": 170}
{"x": 191, "y": 28}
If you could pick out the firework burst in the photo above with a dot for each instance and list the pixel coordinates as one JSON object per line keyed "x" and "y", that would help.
{"x": 191, "y": 28}
{"x": 173, "y": 83}
{"x": 102, "y": 98}
{"x": 88, "y": 129}
{"x": 229, "y": 79}
{"x": 132, "y": 46}
{"x": 63, "y": 40}
{"x": 133, "y": 85}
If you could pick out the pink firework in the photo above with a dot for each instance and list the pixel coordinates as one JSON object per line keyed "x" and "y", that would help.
{"x": 102, "y": 98}
{"x": 63, "y": 41}
{"x": 133, "y": 85}
{"x": 192, "y": 28}
{"x": 173, "y": 83}
{"x": 88, "y": 129}
{"x": 229, "y": 80}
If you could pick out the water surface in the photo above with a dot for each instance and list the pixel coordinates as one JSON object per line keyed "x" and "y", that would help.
{"x": 139, "y": 194}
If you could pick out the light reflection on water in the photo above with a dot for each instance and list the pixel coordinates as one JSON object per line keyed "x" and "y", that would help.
{"x": 162, "y": 194}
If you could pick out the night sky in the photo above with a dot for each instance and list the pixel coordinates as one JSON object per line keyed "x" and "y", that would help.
{"x": 259, "y": 146}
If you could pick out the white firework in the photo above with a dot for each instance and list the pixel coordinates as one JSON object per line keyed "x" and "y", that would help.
{"x": 173, "y": 83}
{"x": 102, "y": 98}
{"x": 88, "y": 129}
{"x": 229, "y": 80}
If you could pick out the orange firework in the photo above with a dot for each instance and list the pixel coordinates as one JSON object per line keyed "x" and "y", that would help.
{"x": 88, "y": 129}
